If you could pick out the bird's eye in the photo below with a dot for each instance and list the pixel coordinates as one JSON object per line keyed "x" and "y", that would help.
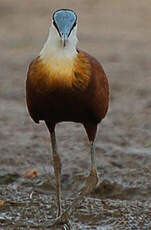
{"x": 54, "y": 23}
{"x": 74, "y": 25}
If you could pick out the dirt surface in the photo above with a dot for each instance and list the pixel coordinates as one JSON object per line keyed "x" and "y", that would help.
{"x": 118, "y": 33}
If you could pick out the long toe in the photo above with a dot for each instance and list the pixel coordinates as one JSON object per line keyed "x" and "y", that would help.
{"x": 62, "y": 220}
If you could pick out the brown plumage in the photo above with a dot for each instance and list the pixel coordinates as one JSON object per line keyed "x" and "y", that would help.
{"x": 78, "y": 91}
{"x": 84, "y": 101}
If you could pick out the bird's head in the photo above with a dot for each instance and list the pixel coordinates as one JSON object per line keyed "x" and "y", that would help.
{"x": 65, "y": 25}
{"x": 62, "y": 38}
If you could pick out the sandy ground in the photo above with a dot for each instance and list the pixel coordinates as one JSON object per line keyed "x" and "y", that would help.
{"x": 118, "y": 33}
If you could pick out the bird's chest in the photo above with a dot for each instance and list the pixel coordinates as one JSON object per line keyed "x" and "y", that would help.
{"x": 57, "y": 101}
{"x": 56, "y": 90}
{"x": 49, "y": 79}
{"x": 60, "y": 76}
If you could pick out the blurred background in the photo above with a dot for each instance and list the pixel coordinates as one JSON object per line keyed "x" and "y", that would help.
{"x": 118, "y": 34}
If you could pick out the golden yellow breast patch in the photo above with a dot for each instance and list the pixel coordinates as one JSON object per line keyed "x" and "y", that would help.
{"x": 51, "y": 74}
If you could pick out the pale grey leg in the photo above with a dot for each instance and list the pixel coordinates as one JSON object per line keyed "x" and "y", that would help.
{"x": 92, "y": 179}
{"x": 57, "y": 171}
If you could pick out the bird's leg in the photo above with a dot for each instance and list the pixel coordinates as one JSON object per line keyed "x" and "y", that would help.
{"x": 90, "y": 183}
{"x": 57, "y": 171}
{"x": 92, "y": 179}
{"x": 62, "y": 218}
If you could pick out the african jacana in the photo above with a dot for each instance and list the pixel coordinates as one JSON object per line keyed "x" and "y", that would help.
{"x": 67, "y": 84}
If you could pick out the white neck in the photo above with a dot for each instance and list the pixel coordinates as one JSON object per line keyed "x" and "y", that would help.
{"x": 54, "y": 48}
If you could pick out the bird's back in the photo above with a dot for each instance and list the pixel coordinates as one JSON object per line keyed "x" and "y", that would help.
{"x": 75, "y": 90}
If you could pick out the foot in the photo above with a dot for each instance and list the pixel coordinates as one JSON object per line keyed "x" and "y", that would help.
{"x": 91, "y": 182}
{"x": 90, "y": 185}
{"x": 62, "y": 220}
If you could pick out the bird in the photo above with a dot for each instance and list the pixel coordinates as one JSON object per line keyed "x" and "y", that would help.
{"x": 64, "y": 84}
